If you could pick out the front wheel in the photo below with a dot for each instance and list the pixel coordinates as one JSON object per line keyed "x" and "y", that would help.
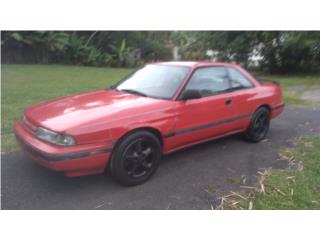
{"x": 259, "y": 126}
{"x": 136, "y": 158}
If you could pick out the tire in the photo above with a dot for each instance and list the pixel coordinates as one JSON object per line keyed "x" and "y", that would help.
{"x": 259, "y": 125}
{"x": 135, "y": 158}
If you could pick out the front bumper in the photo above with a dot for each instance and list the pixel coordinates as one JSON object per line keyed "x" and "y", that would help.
{"x": 76, "y": 160}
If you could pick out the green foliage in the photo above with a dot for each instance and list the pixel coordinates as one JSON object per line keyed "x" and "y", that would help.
{"x": 80, "y": 53}
{"x": 85, "y": 48}
{"x": 54, "y": 41}
{"x": 291, "y": 51}
{"x": 17, "y": 36}
{"x": 45, "y": 45}
{"x": 95, "y": 57}
{"x": 231, "y": 45}
{"x": 155, "y": 51}
{"x": 123, "y": 55}
{"x": 190, "y": 46}
{"x": 76, "y": 50}
{"x": 278, "y": 51}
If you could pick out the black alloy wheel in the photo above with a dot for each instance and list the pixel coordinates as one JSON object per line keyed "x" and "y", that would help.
{"x": 136, "y": 158}
{"x": 259, "y": 125}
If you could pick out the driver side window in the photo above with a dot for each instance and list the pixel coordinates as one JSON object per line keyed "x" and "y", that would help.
{"x": 209, "y": 81}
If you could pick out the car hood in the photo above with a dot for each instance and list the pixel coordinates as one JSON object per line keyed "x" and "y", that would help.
{"x": 68, "y": 112}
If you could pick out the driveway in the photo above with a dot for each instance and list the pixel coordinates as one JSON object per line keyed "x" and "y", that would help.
{"x": 193, "y": 178}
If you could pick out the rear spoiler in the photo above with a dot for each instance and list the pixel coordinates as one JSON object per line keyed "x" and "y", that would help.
{"x": 264, "y": 80}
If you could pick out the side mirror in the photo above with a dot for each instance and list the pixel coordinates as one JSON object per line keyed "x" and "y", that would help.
{"x": 190, "y": 94}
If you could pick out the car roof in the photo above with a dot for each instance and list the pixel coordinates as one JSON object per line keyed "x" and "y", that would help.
{"x": 194, "y": 63}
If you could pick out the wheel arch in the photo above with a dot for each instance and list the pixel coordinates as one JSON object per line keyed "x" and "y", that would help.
{"x": 265, "y": 105}
{"x": 152, "y": 130}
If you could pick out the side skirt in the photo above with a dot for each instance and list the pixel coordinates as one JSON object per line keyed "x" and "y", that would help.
{"x": 203, "y": 141}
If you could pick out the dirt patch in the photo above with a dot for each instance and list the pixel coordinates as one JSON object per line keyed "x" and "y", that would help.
{"x": 308, "y": 93}
{"x": 312, "y": 95}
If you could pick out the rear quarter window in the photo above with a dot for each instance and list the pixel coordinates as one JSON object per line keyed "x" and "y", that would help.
{"x": 238, "y": 80}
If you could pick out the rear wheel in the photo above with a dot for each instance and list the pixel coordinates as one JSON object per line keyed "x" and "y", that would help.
{"x": 136, "y": 158}
{"x": 259, "y": 126}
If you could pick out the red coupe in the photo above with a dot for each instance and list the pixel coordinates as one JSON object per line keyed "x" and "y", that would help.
{"x": 157, "y": 109}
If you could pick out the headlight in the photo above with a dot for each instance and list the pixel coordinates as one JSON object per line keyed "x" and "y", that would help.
{"x": 54, "y": 137}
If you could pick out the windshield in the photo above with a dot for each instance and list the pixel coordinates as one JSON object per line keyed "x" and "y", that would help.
{"x": 159, "y": 81}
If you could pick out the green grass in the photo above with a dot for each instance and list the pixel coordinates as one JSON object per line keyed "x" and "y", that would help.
{"x": 294, "y": 189}
{"x": 295, "y": 99}
{"x": 297, "y": 187}
{"x": 24, "y": 85}
{"x": 293, "y": 80}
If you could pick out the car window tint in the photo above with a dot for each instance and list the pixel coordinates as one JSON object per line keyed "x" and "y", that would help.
{"x": 209, "y": 80}
{"x": 238, "y": 80}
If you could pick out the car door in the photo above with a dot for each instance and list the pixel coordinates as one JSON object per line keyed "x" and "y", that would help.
{"x": 244, "y": 97}
{"x": 209, "y": 116}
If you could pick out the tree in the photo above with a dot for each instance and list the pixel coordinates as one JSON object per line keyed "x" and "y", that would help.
{"x": 291, "y": 51}
{"x": 280, "y": 51}
{"x": 231, "y": 45}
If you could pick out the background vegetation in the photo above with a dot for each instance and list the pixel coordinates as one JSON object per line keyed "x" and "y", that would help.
{"x": 271, "y": 51}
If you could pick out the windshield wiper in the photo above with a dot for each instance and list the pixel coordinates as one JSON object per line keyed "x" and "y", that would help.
{"x": 134, "y": 92}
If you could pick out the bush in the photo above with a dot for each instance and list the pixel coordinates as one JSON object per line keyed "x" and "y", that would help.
{"x": 155, "y": 51}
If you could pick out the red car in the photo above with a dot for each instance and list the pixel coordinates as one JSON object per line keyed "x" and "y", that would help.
{"x": 159, "y": 108}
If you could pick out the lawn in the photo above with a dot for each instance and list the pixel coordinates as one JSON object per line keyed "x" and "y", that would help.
{"x": 297, "y": 187}
{"x": 294, "y": 80}
{"x": 294, "y": 189}
{"x": 23, "y": 85}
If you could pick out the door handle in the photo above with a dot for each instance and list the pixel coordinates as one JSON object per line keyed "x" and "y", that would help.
{"x": 228, "y": 101}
